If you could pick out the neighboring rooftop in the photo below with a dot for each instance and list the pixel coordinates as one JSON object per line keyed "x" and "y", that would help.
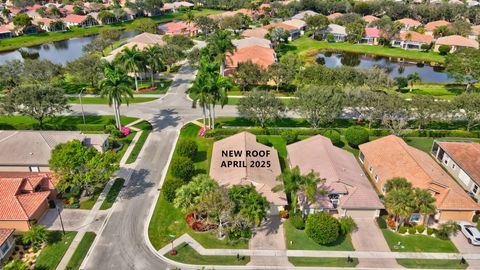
{"x": 432, "y": 25}
{"x": 466, "y": 155}
{"x": 370, "y": 18}
{"x": 303, "y": 15}
{"x": 261, "y": 56}
{"x": 372, "y": 32}
{"x": 410, "y": 22}
{"x": 251, "y": 41}
{"x": 5, "y": 234}
{"x": 75, "y": 18}
{"x": 335, "y": 15}
{"x": 256, "y": 32}
{"x": 416, "y": 37}
{"x": 457, "y": 40}
{"x": 296, "y": 23}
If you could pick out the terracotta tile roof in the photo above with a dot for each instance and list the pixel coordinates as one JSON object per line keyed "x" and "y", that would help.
{"x": 370, "y": 18}
{"x": 432, "y": 25}
{"x": 263, "y": 178}
{"x": 247, "y": 12}
{"x": 391, "y": 157}
{"x": 372, "y": 32}
{"x": 5, "y": 29}
{"x": 45, "y": 21}
{"x": 298, "y": 24}
{"x": 285, "y": 27}
{"x": 466, "y": 155}
{"x": 338, "y": 167}
{"x": 34, "y": 7}
{"x": 256, "y": 32}
{"x": 410, "y": 22}
{"x": 252, "y": 41}
{"x": 261, "y": 56}
{"x": 302, "y": 15}
{"x": 75, "y": 18}
{"x": 457, "y": 40}
{"x": 178, "y": 28}
{"x": 335, "y": 15}
{"x": 5, "y": 234}
{"x": 415, "y": 36}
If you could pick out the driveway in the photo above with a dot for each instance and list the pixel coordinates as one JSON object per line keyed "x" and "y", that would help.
{"x": 369, "y": 237}
{"x": 73, "y": 220}
{"x": 463, "y": 246}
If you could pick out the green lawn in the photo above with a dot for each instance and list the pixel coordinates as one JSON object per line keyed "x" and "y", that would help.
{"x": 308, "y": 47}
{"x": 425, "y": 143}
{"x": 147, "y": 128}
{"x": 322, "y": 262}
{"x": 162, "y": 86}
{"x": 81, "y": 251}
{"x": 297, "y": 239}
{"x": 99, "y": 100}
{"x": 432, "y": 264}
{"x": 37, "y": 39}
{"x": 57, "y": 245}
{"x": 112, "y": 194}
{"x": 418, "y": 243}
{"x": 90, "y": 202}
{"x": 186, "y": 254}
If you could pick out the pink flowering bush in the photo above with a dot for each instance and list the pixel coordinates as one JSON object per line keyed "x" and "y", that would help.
{"x": 147, "y": 89}
{"x": 202, "y": 131}
{"x": 125, "y": 131}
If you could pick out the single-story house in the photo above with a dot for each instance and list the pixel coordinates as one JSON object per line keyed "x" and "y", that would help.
{"x": 7, "y": 244}
{"x": 429, "y": 27}
{"x": 251, "y": 41}
{"x": 6, "y": 31}
{"x": 264, "y": 57}
{"x": 178, "y": 28}
{"x": 30, "y": 151}
{"x": 299, "y": 24}
{"x": 79, "y": 20}
{"x": 349, "y": 192}
{"x": 176, "y": 6}
{"x": 46, "y": 25}
{"x": 294, "y": 31}
{"x": 140, "y": 41}
{"x": 371, "y": 36}
{"x": 335, "y": 15}
{"x": 408, "y": 24}
{"x": 456, "y": 42}
{"x": 462, "y": 161}
{"x": 251, "y": 13}
{"x": 338, "y": 31}
{"x": 304, "y": 14}
{"x": 255, "y": 32}
{"x": 369, "y": 19}
{"x": 67, "y": 9}
{"x": 391, "y": 157}
{"x": 241, "y": 160}
{"x": 411, "y": 40}
{"x": 24, "y": 198}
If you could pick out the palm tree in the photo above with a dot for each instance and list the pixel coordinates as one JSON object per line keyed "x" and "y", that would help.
{"x": 154, "y": 60}
{"x": 400, "y": 203}
{"x": 133, "y": 61}
{"x": 397, "y": 183}
{"x": 218, "y": 45}
{"x": 413, "y": 78}
{"x": 201, "y": 91}
{"x": 220, "y": 87}
{"x": 116, "y": 87}
{"x": 425, "y": 203}
{"x": 36, "y": 236}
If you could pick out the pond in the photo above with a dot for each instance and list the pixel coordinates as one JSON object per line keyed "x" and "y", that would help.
{"x": 59, "y": 52}
{"x": 394, "y": 66}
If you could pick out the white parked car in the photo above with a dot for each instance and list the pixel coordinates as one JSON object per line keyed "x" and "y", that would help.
{"x": 471, "y": 233}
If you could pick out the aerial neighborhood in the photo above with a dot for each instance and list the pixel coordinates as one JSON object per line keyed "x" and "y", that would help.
{"x": 216, "y": 134}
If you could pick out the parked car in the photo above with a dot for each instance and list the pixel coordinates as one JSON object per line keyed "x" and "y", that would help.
{"x": 471, "y": 233}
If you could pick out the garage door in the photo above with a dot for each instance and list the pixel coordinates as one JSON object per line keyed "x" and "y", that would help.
{"x": 361, "y": 213}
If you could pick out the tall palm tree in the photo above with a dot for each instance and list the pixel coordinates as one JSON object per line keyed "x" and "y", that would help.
{"x": 117, "y": 88}
{"x": 201, "y": 92}
{"x": 425, "y": 203}
{"x": 133, "y": 61}
{"x": 400, "y": 203}
{"x": 154, "y": 60}
{"x": 220, "y": 87}
{"x": 413, "y": 78}
{"x": 219, "y": 44}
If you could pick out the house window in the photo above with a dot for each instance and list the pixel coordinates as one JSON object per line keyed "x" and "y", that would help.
{"x": 475, "y": 189}
{"x": 376, "y": 177}
{"x": 445, "y": 161}
{"x": 370, "y": 168}
{"x": 361, "y": 156}
{"x": 453, "y": 165}
{"x": 383, "y": 188}
{"x": 34, "y": 169}
{"x": 5, "y": 247}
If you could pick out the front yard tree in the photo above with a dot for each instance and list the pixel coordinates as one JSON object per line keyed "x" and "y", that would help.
{"x": 249, "y": 204}
{"x": 87, "y": 69}
{"x": 468, "y": 104}
{"x": 262, "y": 107}
{"x": 322, "y": 228}
{"x": 249, "y": 73}
{"x": 464, "y": 66}
{"x": 189, "y": 195}
{"x": 206, "y": 24}
{"x": 277, "y": 36}
{"x": 116, "y": 88}
{"x": 218, "y": 45}
{"x": 316, "y": 23}
{"x": 218, "y": 207}
{"x": 424, "y": 108}
{"x": 154, "y": 60}
{"x": 42, "y": 71}
{"x": 425, "y": 203}
{"x": 396, "y": 184}
{"x": 36, "y": 236}
{"x": 354, "y": 31}
{"x": 38, "y": 101}
{"x": 400, "y": 203}
{"x": 281, "y": 74}
{"x": 133, "y": 61}
{"x": 11, "y": 74}
{"x": 319, "y": 105}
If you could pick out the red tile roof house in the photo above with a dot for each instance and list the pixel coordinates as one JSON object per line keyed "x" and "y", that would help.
{"x": 24, "y": 198}
{"x": 335, "y": 15}
{"x": 261, "y": 56}
{"x": 391, "y": 157}
{"x": 369, "y": 19}
{"x": 79, "y": 21}
{"x": 255, "y": 32}
{"x": 371, "y": 36}
{"x": 455, "y": 42}
{"x": 294, "y": 31}
{"x": 6, "y": 31}
{"x": 462, "y": 161}
{"x": 429, "y": 27}
{"x": 241, "y": 160}
{"x": 178, "y": 28}
{"x": 349, "y": 190}
{"x": 408, "y": 24}
{"x": 411, "y": 40}
{"x": 7, "y": 243}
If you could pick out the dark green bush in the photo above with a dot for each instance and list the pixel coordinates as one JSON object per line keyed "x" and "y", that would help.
{"x": 187, "y": 148}
{"x": 430, "y": 231}
{"x": 183, "y": 168}
{"x": 412, "y": 230}
{"x": 322, "y": 228}
{"x": 382, "y": 223}
{"x": 334, "y": 136}
{"x": 356, "y": 135}
{"x": 402, "y": 229}
{"x": 289, "y": 136}
{"x": 420, "y": 228}
{"x": 170, "y": 187}
{"x": 297, "y": 221}
{"x": 444, "y": 49}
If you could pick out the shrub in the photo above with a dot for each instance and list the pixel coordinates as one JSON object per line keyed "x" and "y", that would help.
{"x": 183, "y": 168}
{"x": 356, "y": 135}
{"x": 330, "y": 37}
{"x": 297, "y": 221}
{"x": 170, "y": 187}
{"x": 187, "y": 148}
{"x": 289, "y": 136}
{"x": 446, "y": 229}
{"x": 402, "y": 230}
{"x": 475, "y": 218}
{"x": 412, "y": 230}
{"x": 322, "y": 228}
{"x": 420, "y": 228}
{"x": 478, "y": 224}
{"x": 391, "y": 223}
{"x": 401, "y": 82}
{"x": 381, "y": 223}
{"x": 425, "y": 47}
{"x": 347, "y": 225}
{"x": 444, "y": 49}
{"x": 334, "y": 136}
{"x": 430, "y": 231}
{"x": 237, "y": 233}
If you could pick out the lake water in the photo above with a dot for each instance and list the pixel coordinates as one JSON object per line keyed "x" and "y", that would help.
{"x": 395, "y": 67}
{"x": 59, "y": 52}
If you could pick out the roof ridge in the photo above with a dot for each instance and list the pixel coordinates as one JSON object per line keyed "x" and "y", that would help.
{"x": 407, "y": 148}
{"x": 21, "y": 206}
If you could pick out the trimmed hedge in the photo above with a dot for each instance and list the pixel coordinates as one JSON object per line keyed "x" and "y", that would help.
{"x": 322, "y": 228}
{"x": 382, "y": 223}
{"x": 334, "y": 136}
{"x": 183, "y": 168}
{"x": 187, "y": 148}
{"x": 356, "y": 135}
{"x": 297, "y": 221}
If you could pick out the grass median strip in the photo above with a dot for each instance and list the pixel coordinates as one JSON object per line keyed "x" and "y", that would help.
{"x": 99, "y": 100}
{"x": 52, "y": 253}
{"x": 432, "y": 264}
{"x": 81, "y": 251}
{"x": 112, "y": 194}
{"x": 323, "y": 262}
{"x": 186, "y": 254}
{"x": 147, "y": 128}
